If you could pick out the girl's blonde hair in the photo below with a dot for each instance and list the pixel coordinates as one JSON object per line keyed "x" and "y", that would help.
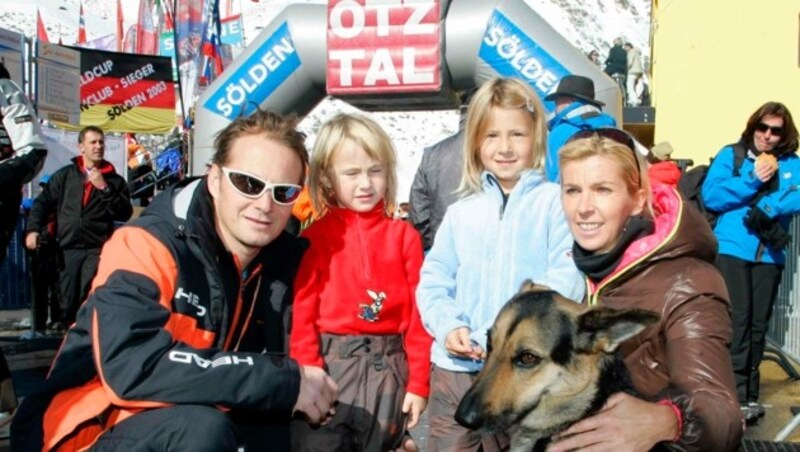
{"x": 631, "y": 164}
{"x": 509, "y": 93}
{"x": 363, "y": 132}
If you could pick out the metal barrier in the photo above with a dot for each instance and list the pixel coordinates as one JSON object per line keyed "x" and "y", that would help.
{"x": 784, "y": 327}
{"x": 15, "y": 290}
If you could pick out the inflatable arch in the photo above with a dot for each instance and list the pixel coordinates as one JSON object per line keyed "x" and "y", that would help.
{"x": 389, "y": 55}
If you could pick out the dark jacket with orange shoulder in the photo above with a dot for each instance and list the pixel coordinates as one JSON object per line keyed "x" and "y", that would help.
{"x": 683, "y": 358}
{"x": 171, "y": 319}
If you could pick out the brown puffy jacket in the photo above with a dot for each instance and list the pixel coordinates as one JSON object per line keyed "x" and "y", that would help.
{"x": 685, "y": 356}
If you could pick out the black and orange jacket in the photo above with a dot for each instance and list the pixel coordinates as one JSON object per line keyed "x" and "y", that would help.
{"x": 85, "y": 215}
{"x": 171, "y": 319}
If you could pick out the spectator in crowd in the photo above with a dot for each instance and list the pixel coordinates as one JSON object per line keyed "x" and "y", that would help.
{"x": 507, "y": 227}
{"x": 617, "y": 64}
{"x": 576, "y": 110}
{"x": 660, "y": 168}
{"x": 594, "y": 57}
{"x": 755, "y": 206}
{"x": 355, "y": 313}
{"x": 44, "y": 271}
{"x": 86, "y": 197}
{"x": 436, "y": 181}
{"x": 635, "y": 84}
{"x": 142, "y": 179}
{"x": 640, "y": 248}
{"x": 182, "y": 343}
{"x": 22, "y": 154}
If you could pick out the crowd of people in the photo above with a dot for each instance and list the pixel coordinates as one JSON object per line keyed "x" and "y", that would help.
{"x": 625, "y": 65}
{"x": 204, "y": 324}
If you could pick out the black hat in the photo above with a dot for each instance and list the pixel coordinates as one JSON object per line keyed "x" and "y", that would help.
{"x": 576, "y": 86}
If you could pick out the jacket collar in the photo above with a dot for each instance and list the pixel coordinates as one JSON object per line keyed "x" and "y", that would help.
{"x": 669, "y": 211}
{"x": 349, "y": 216}
{"x": 104, "y": 166}
{"x": 573, "y": 110}
{"x": 528, "y": 179}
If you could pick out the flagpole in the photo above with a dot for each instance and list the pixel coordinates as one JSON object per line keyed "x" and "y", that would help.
{"x": 175, "y": 42}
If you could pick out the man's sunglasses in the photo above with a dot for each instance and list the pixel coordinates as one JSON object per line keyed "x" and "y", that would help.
{"x": 776, "y": 130}
{"x": 251, "y": 186}
{"x": 616, "y": 135}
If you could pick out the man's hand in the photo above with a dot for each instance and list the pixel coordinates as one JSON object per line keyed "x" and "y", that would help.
{"x": 458, "y": 343}
{"x": 625, "y": 423}
{"x": 413, "y": 406}
{"x": 318, "y": 392}
{"x": 32, "y": 241}
{"x": 96, "y": 178}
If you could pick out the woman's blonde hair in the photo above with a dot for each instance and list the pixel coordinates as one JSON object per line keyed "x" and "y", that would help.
{"x": 631, "y": 164}
{"x": 508, "y": 93}
{"x": 363, "y": 132}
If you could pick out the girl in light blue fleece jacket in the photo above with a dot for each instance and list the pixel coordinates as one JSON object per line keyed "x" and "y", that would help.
{"x": 507, "y": 227}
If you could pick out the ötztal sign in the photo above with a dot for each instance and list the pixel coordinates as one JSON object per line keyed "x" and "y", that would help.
{"x": 383, "y": 46}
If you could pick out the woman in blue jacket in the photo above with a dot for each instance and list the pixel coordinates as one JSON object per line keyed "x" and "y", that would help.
{"x": 755, "y": 206}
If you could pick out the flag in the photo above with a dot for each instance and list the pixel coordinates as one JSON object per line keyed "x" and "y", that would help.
{"x": 146, "y": 39}
{"x": 129, "y": 43}
{"x": 120, "y": 28}
{"x": 166, "y": 19}
{"x": 41, "y": 32}
{"x": 211, "y": 65}
{"x": 188, "y": 35}
{"x": 81, "y": 28}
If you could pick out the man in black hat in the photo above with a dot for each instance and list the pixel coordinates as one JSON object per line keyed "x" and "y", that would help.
{"x": 576, "y": 110}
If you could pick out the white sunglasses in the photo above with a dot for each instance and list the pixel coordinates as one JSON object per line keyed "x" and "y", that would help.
{"x": 253, "y": 187}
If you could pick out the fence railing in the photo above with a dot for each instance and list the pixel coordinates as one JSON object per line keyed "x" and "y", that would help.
{"x": 784, "y": 327}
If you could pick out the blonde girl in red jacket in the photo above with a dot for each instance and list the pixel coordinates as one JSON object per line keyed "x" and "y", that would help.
{"x": 354, "y": 312}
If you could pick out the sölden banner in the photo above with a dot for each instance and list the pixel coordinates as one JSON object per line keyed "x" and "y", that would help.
{"x": 123, "y": 92}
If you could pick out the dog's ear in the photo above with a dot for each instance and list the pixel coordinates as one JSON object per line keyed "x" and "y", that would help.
{"x": 530, "y": 286}
{"x": 605, "y": 328}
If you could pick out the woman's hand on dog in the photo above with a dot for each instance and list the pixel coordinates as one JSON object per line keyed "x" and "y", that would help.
{"x": 625, "y": 423}
{"x": 413, "y": 406}
{"x": 458, "y": 343}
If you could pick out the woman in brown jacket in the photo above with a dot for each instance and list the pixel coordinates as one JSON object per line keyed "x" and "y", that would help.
{"x": 644, "y": 248}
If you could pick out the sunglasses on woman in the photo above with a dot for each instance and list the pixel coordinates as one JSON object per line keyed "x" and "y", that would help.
{"x": 776, "y": 130}
{"x": 253, "y": 187}
{"x": 615, "y": 135}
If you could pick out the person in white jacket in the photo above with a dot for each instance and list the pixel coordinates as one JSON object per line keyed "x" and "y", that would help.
{"x": 634, "y": 79}
{"x": 22, "y": 153}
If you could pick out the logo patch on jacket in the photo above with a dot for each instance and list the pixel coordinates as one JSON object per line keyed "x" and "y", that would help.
{"x": 190, "y": 299}
{"x": 23, "y": 118}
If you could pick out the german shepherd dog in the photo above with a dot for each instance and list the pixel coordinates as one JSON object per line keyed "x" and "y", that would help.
{"x": 550, "y": 363}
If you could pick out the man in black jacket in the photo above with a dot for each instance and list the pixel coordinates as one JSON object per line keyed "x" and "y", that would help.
{"x": 87, "y": 197}
{"x": 617, "y": 65}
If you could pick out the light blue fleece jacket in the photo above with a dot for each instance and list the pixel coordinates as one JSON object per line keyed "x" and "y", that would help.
{"x": 482, "y": 254}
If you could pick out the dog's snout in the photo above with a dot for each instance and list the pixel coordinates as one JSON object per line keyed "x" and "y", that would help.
{"x": 469, "y": 410}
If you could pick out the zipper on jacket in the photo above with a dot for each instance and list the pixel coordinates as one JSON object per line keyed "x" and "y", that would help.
{"x": 247, "y": 277}
{"x": 363, "y": 248}
{"x": 503, "y": 197}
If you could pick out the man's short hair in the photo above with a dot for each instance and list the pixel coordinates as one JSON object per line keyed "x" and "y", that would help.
{"x": 85, "y": 130}
{"x": 262, "y": 122}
